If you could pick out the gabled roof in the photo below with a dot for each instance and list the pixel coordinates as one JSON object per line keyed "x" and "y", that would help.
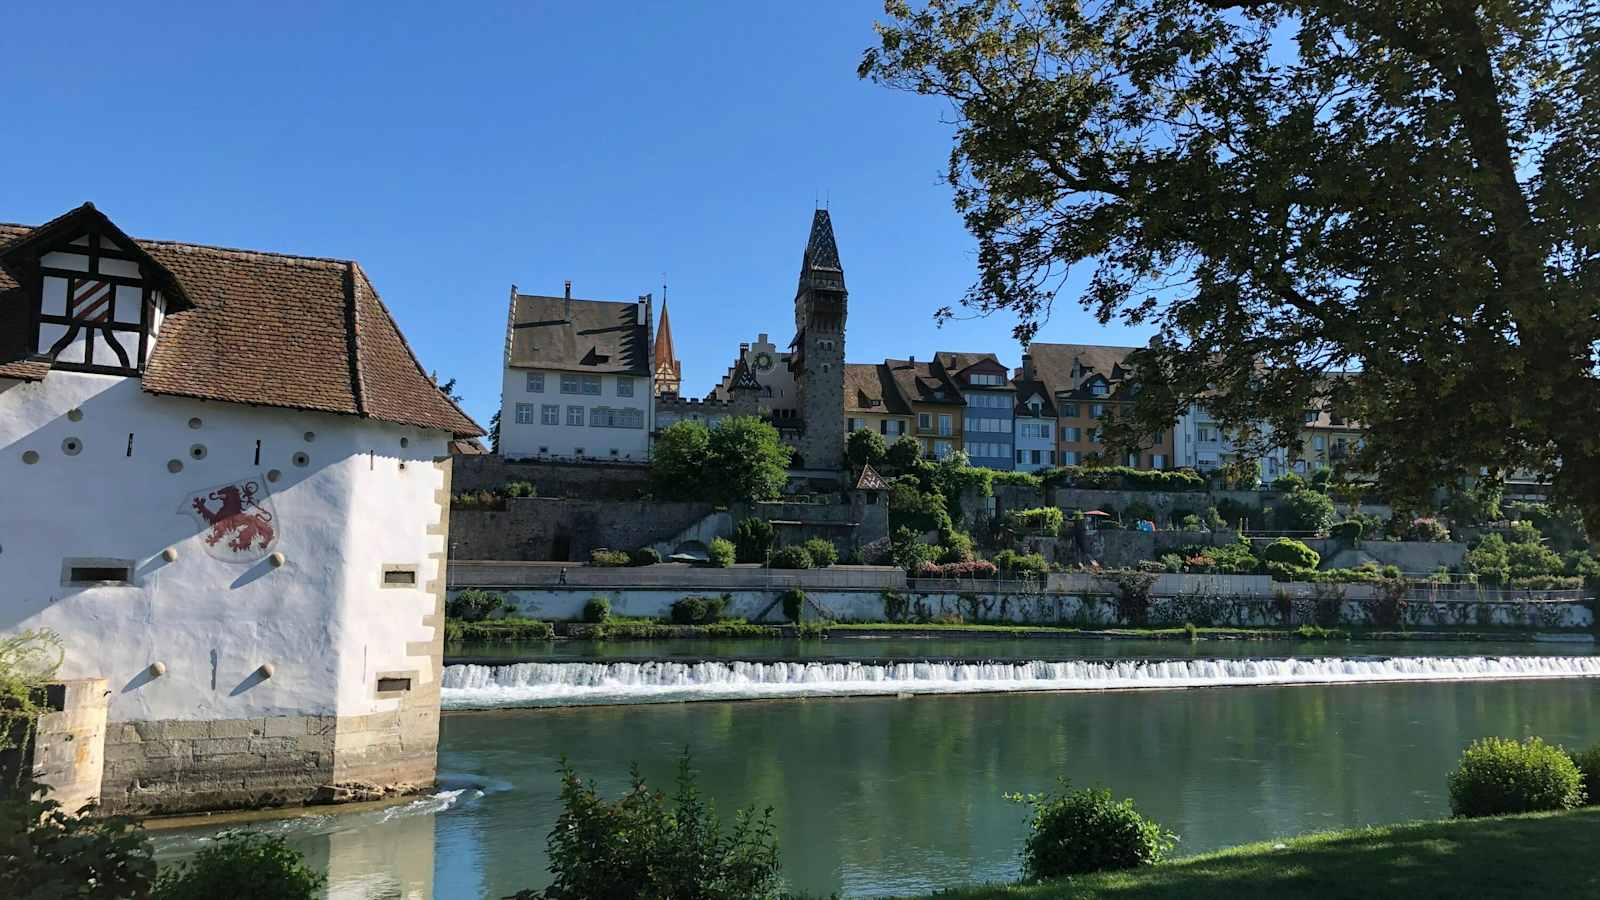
{"x": 600, "y": 336}
{"x": 266, "y": 329}
{"x": 870, "y": 480}
{"x": 867, "y": 382}
{"x": 920, "y": 382}
{"x": 1053, "y": 364}
{"x": 956, "y": 363}
{"x": 743, "y": 379}
{"x": 1027, "y": 390}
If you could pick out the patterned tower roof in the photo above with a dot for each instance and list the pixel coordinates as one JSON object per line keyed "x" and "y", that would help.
{"x": 822, "y": 253}
{"x": 669, "y": 371}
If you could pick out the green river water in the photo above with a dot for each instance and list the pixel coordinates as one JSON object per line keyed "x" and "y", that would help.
{"x": 890, "y": 795}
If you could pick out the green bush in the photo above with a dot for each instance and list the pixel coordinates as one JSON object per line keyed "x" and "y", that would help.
{"x": 698, "y": 610}
{"x": 1306, "y": 510}
{"x": 721, "y": 553}
{"x": 909, "y": 552}
{"x": 1124, "y": 478}
{"x": 1237, "y": 558}
{"x": 1075, "y": 832}
{"x": 1291, "y": 552}
{"x": 1040, "y": 520}
{"x": 1582, "y": 564}
{"x": 641, "y": 846}
{"x": 645, "y": 556}
{"x": 1428, "y": 530}
{"x": 1214, "y": 519}
{"x": 1018, "y": 479}
{"x": 1490, "y": 560}
{"x": 517, "y": 489}
{"x": 865, "y": 447}
{"x": 1349, "y": 531}
{"x": 1588, "y": 763}
{"x": 1546, "y": 582}
{"x": 796, "y": 557}
{"x": 752, "y": 538}
{"x": 473, "y": 605}
{"x": 498, "y": 631}
{"x": 956, "y": 547}
{"x": 1011, "y": 565}
{"x": 1499, "y": 776}
{"x": 241, "y": 865}
{"x": 596, "y": 609}
{"x": 609, "y": 558}
{"x": 1281, "y": 571}
{"x": 903, "y": 455}
{"x": 822, "y": 552}
{"x": 1171, "y": 562}
{"x": 1192, "y": 522}
{"x": 1532, "y": 559}
{"x": 794, "y": 604}
{"x": 46, "y": 851}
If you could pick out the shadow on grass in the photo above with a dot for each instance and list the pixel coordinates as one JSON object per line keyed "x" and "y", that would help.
{"x": 1542, "y": 855}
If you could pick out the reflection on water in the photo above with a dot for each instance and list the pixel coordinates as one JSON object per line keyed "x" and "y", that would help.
{"x": 880, "y": 796}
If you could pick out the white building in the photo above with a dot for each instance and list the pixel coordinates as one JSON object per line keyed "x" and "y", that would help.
{"x": 224, "y": 484}
{"x": 578, "y": 379}
{"x": 1200, "y": 442}
{"x": 1035, "y": 423}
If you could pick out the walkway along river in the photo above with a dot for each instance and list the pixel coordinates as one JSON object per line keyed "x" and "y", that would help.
{"x": 893, "y": 794}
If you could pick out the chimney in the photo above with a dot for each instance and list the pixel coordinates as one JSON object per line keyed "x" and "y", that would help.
{"x": 1027, "y": 367}
{"x": 912, "y": 360}
{"x": 566, "y": 308}
{"x": 643, "y": 310}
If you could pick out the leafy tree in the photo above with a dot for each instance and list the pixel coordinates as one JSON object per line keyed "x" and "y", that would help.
{"x": 752, "y": 538}
{"x": 1291, "y": 191}
{"x": 28, "y": 660}
{"x": 494, "y": 432}
{"x": 903, "y": 454}
{"x": 747, "y": 461}
{"x": 1307, "y": 510}
{"x": 678, "y": 461}
{"x": 45, "y": 852}
{"x": 865, "y": 447}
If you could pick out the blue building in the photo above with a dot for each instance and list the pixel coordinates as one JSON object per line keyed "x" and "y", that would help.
{"x": 988, "y": 419}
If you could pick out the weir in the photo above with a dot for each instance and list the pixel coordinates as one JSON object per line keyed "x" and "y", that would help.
{"x": 571, "y": 683}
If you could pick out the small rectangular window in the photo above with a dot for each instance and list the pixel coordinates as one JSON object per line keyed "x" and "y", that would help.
{"x": 624, "y": 386}
{"x": 401, "y": 576}
{"x": 535, "y": 382}
{"x": 524, "y": 413}
{"x": 591, "y": 384}
{"x": 550, "y": 414}
{"x": 91, "y": 571}
{"x": 387, "y": 685}
{"x": 569, "y": 384}
{"x": 1069, "y": 410}
{"x": 574, "y": 415}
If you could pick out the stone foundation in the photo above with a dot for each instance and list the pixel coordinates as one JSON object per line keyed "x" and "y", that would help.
{"x": 69, "y": 743}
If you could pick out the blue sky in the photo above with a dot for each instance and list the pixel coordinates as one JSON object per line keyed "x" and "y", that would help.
{"x": 456, "y": 153}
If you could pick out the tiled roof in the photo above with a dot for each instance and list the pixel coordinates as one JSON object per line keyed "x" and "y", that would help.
{"x": 1053, "y": 364}
{"x": 268, "y": 329}
{"x": 822, "y": 252}
{"x": 1027, "y": 390}
{"x": 870, "y": 480}
{"x": 601, "y": 336}
{"x": 919, "y": 382}
{"x": 743, "y": 378}
{"x": 864, "y": 383}
{"x": 955, "y": 363}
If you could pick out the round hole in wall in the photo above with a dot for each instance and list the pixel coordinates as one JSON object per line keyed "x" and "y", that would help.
{"x": 302, "y": 459}
{"x": 274, "y": 475}
{"x": 195, "y": 423}
{"x": 174, "y": 466}
{"x": 74, "y": 415}
{"x": 310, "y": 436}
{"x": 405, "y": 442}
{"x": 72, "y": 446}
{"x": 198, "y": 451}
{"x": 29, "y": 457}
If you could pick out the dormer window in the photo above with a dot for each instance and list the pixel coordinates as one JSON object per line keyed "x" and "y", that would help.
{"x": 96, "y": 310}
{"x": 1099, "y": 389}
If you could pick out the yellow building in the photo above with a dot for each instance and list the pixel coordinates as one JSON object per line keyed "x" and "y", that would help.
{"x": 1089, "y": 383}
{"x": 872, "y": 402}
{"x": 1326, "y": 439}
{"x": 935, "y": 404}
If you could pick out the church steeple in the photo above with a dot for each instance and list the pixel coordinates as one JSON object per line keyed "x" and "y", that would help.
{"x": 669, "y": 372}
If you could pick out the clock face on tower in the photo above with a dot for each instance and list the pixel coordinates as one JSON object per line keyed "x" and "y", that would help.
{"x": 763, "y": 361}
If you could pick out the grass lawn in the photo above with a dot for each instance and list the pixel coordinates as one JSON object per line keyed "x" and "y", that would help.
{"x": 1538, "y": 855}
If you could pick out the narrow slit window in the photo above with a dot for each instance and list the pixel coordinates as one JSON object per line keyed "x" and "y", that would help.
{"x": 88, "y": 571}
{"x": 400, "y": 577}
{"x": 129, "y": 454}
{"x": 258, "y": 453}
{"x": 385, "y": 685}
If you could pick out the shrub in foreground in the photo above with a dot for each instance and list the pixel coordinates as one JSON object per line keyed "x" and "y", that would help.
{"x": 823, "y": 553}
{"x": 596, "y": 609}
{"x": 473, "y": 605}
{"x": 1079, "y": 831}
{"x": 698, "y": 610}
{"x": 1588, "y": 763}
{"x": 642, "y": 845}
{"x": 47, "y": 852}
{"x": 646, "y": 556}
{"x": 751, "y": 540}
{"x": 721, "y": 553}
{"x": 1499, "y": 776}
{"x": 1291, "y": 552}
{"x": 242, "y": 865}
{"x": 791, "y": 558}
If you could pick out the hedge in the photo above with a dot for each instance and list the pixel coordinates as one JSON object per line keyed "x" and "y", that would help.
{"x": 1124, "y": 478}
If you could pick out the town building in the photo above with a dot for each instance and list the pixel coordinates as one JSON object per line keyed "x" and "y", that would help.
{"x": 1035, "y": 426}
{"x": 780, "y": 396}
{"x": 988, "y": 419}
{"x": 873, "y": 403}
{"x": 225, "y": 484}
{"x": 1090, "y": 383}
{"x": 577, "y": 379}
{"x": 1326, "y": 439}
{"x": 1200, "y": 442}
{"x": 821, "y": 306}
{"x": 743, "y": 399}
{"x": 935, "y": 404}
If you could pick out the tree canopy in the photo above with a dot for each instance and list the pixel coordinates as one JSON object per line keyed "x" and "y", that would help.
{"x": 1391, "y": 211}
{"x": 741, "y": 459}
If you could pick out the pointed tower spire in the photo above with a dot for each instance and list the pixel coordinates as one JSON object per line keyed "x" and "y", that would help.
{"x": 669, "y": 372}
{"x": 821, "y": 259}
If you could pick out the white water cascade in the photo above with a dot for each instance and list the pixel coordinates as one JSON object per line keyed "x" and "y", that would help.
{"x": 565, "y": 683}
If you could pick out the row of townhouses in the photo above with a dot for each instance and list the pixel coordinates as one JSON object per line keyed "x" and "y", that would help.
{"x": 596, "y": 380}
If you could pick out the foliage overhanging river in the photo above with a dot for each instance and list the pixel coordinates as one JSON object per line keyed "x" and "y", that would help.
{"x": 884, "y": 795}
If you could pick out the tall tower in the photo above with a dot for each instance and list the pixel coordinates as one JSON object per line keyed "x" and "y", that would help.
{"x": 669, "y": 372}
{"x": 818, "y": 348}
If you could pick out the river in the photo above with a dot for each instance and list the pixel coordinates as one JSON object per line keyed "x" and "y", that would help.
{"x": 901, "y": 793}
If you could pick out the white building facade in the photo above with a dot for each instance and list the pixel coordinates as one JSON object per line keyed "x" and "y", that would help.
{"x": 247, "y": 545}
{"x": 1035, "y": 423}
{"x": 1200, "y": 442}
{"x": 578, "y": 379}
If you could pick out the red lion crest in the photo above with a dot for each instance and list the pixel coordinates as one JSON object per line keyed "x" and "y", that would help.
{"x": 239, "y": 514}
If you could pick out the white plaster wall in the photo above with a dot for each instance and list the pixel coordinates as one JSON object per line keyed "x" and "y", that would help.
{"x": 563, "y": 440}
{"x": 212, "y": 622}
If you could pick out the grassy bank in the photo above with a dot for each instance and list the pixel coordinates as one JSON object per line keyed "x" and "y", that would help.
{"x": 1538, "y": 855}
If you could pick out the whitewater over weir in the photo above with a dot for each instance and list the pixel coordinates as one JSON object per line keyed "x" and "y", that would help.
{"x": 576, "y": 683}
